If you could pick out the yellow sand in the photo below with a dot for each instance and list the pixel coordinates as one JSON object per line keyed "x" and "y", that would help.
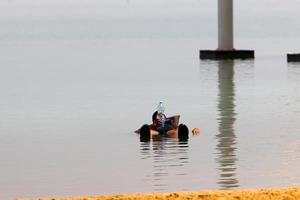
{"x": 262, "y": 194}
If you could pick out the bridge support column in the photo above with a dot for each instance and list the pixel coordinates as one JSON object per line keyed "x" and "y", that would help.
{"x": 225, "y": 25}
{"x": 225, "y": 48}
{"x": 293, "y": 57}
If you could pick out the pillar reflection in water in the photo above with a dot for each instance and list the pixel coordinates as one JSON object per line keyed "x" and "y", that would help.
{"x": 226, "y": 138}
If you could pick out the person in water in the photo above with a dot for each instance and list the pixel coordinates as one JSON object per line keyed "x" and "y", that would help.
{"x": 161, "y": 126}
{"x": 169, "y": 127}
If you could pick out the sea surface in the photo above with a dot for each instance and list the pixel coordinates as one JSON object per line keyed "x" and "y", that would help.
{"x": 78, "y": 77}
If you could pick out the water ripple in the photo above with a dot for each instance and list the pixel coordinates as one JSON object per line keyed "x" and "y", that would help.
{"x": 167, "y": 155}
{"x": 226, "y": 139}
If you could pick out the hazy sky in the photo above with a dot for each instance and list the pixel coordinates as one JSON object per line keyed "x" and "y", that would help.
{"x": 37, "y": 18}
{"x": 117, "y": 7}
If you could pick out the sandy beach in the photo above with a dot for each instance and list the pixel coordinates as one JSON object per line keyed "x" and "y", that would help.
{"x": 261, "y": 194}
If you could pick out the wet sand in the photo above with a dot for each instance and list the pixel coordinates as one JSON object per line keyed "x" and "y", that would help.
{"x": 262, "y": 194}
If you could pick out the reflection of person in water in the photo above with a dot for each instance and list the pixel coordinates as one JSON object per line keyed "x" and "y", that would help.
{"x": 169, "y": 127}
{"x": 161, "y": 151}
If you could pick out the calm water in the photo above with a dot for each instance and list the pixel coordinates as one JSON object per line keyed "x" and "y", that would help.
{"x": 78, "y": 78}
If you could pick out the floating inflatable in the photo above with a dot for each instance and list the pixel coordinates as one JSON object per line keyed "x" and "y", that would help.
{"x": 171, "y": 128}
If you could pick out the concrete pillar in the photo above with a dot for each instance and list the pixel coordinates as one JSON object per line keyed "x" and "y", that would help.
{"x": 225, "y": 48}
{"x": 225, "y": 25}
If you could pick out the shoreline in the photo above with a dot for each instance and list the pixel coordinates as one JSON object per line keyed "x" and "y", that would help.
{"x": 243, "y": 194}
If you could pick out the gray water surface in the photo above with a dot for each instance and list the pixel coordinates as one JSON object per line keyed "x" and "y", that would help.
{"x": 77, "y": 78}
